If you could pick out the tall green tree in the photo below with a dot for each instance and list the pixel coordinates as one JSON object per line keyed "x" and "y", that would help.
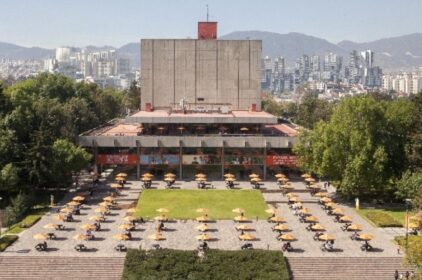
{"x": 356, "y": 148}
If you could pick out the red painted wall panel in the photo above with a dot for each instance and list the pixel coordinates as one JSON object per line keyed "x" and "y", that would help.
{"x": 207, "y": 30}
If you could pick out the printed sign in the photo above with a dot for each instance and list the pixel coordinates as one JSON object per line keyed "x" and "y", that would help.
{"x": 117, "y": 159}
{"x": 159, "y": 159}
{"x": 201, "y": 159}
{"x": 286, "y": 160}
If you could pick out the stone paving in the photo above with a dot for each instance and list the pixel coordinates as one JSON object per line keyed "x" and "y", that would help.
{"x": 181, "y": 234}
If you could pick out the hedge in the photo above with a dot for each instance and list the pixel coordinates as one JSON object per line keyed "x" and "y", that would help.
{"x": 175, "y": 264}
{"x": 381, "y": 219}
{"x": 6, "y": 241}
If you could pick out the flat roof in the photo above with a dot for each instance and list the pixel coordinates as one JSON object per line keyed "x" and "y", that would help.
{"x": 163, "y": 116}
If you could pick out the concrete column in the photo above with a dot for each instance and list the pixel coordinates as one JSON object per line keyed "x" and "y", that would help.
{"x": 95, "y": 148}
{"x": 222, "y": 161}
{"x": 180, "y": 161}
{"x": 265, "y": 161}
{"x": 138, "y": 162}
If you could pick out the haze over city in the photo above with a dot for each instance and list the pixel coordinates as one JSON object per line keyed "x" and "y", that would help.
{"x": 80, "y": 23}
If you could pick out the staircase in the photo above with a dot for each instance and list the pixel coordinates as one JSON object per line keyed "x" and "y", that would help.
{"x": 40, "y": 267}
{"x": 345, "y": 268}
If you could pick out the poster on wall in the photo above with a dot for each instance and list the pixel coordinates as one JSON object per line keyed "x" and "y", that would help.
{"x": 117, "y": 159}
{"x": 159, "y": 159}
{"x": 201, "y": 159}
{"x": 243, "y": 160}
{"x": 286, "y": 160}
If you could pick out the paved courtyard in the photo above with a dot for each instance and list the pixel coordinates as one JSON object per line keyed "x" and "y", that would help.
{"x": 181, "y": 234}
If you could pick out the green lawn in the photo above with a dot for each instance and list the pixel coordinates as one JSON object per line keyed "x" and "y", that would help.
{"x": 182, "y": 204}
{"x": 396, "y": 216}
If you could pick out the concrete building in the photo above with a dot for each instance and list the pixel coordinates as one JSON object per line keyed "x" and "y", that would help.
{"x": 201, "y": 112}
{"x": 201, "y": 72}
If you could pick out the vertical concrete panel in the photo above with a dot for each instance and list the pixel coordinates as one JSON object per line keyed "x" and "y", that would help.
{"x": 163, "y": 73}
{"x": 146, "y": 72}
{"x": 207, "y": 71}
{"x": 185, "y": 70}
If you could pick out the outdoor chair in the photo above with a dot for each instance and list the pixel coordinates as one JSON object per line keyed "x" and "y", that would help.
{"x": 156, "y": 246}
{"x": 366, "y": 247}
{"x": 41, "y": 247}
{"x": 120, "y": 248}
{"x": 80, "y": 247}
{"x": 246, "y": 246}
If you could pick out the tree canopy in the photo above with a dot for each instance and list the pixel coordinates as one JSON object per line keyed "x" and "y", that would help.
{"x": 362, "y": 147}
{"x": 40, "y": 120}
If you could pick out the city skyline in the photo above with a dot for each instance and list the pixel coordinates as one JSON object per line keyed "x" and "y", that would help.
{"x": 95, "y": 22}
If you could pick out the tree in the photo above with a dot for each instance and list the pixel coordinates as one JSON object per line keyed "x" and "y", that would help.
{"x": 68, "y": 158}
{"x": 9, "y": 178}
{"x": 312, "y": 110}
{"x": 415, "y": 147}
{"x": 409, "y": 185}
{"x": 356, "y": 148}
{"x": 133, "y": 97}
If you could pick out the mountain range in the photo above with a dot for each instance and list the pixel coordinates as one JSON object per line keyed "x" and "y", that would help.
{"x": 391, "y": 54}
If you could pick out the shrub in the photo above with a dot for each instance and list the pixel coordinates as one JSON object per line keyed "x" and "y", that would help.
{"x": 19, "y": 206}
{"x": 6, "y": 241}
{"x": 29, "y": 221}
{"x": 381, "y": 219}
{"x": 174, "y": 264}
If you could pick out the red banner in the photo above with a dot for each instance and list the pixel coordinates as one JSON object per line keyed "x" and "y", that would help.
{"x": 117, "y": 159}
{"x": 286, "y": 160}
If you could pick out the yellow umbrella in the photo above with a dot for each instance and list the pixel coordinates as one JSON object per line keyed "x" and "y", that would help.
{"x": 203, "y": 219}
{"x": 318, "y": 227}
{"x": 311, "y": 219}
{"x": 326, "y": 237}
{"x": 321, "y": 194}
{"x": 88, "y": 227}
{"x": 156, "y": 236}
{"x": 294, "y": 199}
{"x": 50, "y": 226}
{"x": 73, "y": 203}
{"x": 148, "y": 174}
{"x": 238, "y": 210}
{"x": 282, "y": 179}
{"x": 310, "y": 180}
{"x": 59, "y": 217}
{"x": 346, "y": 219}
{"x": 203, "y": 227}
{"x": 170, "y": 174}
{"x": 354, "y": 227}
{"x": 306, "y": 175}
{"x": 330, "y": 205}
{"x": 230, "y": 179}
{"x": 121, "y": 174}
{"x": 96, "y": 218}
{"x": 78, "y": 198}
{"x": 271, "y": 211}
{"x": 241, "y": 219}
{"x": 305, "y": 211}
{"x": 338, "y": 211}
{"x": 413, "y": 225}
{"x": 280, "y": 175}
{"x": 200, "y": 175}
{"x": 129, "y": 219}
{"x": 200, "y": 179}
{"x": 105, "y": 204}
{"x": 287, "y": 237}
{"x": 162, "y": 210}
{"x": 203, "y": 237}
{"x": 169, "y": 179}
{"x": 315, "y": 187}
{"x": 244, "y": 129}
{"x": 119, "y": 178}
{"x": 365, "y": 236}
{"x": 243, "y": 227}
{"x": 253, "y": 175}
{"x": 126, "y": 226}
{"x": 277, "y": 219}
{"x": 79, "y": 237}
{"x": 131, "y": 210}
{"x": 201, "y": 210}
{"x": 287, "y": 186}
{"x": 160, "y": 218}
{"x": 247, "y": 236}
{"x": 256, "y": 179}
{"x": 291, "y": 195}
{"x": 100, "y": 210}
{"x": 121, "y": 237}
{"x": 281, "y": 228}
{"x": 228, "y": 175}
{"x": 41, "y": 236}
{"x": 66, "y": 210}
{"x": 116, "y": 186}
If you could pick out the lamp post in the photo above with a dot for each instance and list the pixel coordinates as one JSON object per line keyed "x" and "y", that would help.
{"x": 1, "y": 217}
{"x": 408, "y": 202}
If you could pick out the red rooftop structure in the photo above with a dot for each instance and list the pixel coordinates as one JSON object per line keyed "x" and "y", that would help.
{"x": 207, "y": 30}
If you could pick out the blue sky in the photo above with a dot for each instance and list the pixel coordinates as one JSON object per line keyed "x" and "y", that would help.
{"x": 52, "y": 23}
